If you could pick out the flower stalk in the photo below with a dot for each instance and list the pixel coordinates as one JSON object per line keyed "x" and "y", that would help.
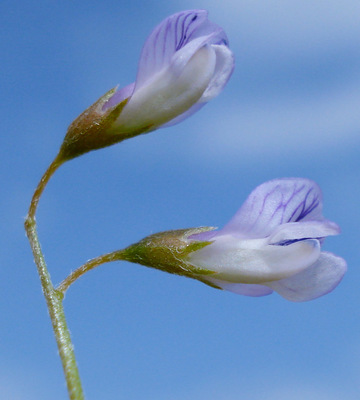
{"x": 165, "y": 251}
{"x": 88, "y": 266}
{"x": 53, "y": 297}
{"x": 58, "y": 161}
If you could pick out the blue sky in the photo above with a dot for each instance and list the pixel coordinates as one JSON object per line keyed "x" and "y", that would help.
{"x": 290, "y": 109}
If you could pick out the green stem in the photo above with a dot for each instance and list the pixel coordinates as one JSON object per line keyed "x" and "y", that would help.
{"x": 54, "y": 298}
{"x": 91, "y": 264}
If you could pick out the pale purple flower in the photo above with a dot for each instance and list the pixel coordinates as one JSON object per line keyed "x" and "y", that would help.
{"x": 274, "y": 243}
{"x": 184, "y": 63}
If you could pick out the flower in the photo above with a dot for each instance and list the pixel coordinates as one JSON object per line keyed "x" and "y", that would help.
{"x": 273, "y": 243}
{"x": 184, "y": 63}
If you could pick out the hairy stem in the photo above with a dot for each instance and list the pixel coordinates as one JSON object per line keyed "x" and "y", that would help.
{"x": 54, "y": 298}
{"x": 91, "y": 264}
{"x": 41, "y": 186}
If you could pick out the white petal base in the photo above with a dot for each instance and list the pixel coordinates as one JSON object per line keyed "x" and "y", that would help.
{"x": 254, "y": 261}
{"x": 170, "y": 93}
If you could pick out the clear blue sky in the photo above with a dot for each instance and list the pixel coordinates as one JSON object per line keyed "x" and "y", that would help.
{"x": 290, "y": 109}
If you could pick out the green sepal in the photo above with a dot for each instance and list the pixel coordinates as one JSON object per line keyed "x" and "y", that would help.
{"x": 168, "y": 251}
{"x": 92, "y": 129}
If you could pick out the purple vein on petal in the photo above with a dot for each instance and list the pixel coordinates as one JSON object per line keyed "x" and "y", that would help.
{"x": 312, "y": 206}
{"x": 277, "y": 202}
{"x": 167, "y": 38}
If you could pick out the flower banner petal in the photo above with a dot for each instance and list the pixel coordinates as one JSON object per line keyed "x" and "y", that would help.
{"x": 171, "y": 36}
{"x": 274, "y": 203}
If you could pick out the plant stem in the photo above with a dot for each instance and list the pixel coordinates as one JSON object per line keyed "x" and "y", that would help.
{"x": 91, "y": 264}
{"x": 53, "y": 297}
{"x": 41, "y": 186}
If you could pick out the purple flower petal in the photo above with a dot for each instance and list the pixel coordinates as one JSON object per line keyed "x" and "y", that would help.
{"x": 308, "y": 229}
{"x": 274, "y": 241}
{"x": 223, "y": 70}
{"x": 187, "y": 28}
{"x": 319, "y": 279}
{"x": 275, "y": 203}
{"x": 241, "y": 288}
{"x": 224, "y": 67}
{"x": 168, "y": 94}
{"x": 185, "y": 62}
{"x": 192, "y": 110}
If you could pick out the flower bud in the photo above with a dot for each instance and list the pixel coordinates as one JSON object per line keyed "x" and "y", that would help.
{"x": 185, "y": 63}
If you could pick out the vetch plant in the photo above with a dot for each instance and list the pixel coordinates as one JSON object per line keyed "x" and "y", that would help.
{"x": 273, "y": 243}
{"x": 185, "y": 63}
